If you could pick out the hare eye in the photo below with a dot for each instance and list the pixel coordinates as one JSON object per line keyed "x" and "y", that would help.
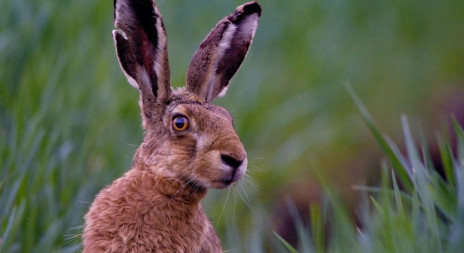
{"x": 180, "y": 123}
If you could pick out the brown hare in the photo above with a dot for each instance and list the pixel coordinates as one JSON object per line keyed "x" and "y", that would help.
{"x": 189, "y": 145}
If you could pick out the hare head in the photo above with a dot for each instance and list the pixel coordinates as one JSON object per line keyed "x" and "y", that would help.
{"x": 186, "y": 137}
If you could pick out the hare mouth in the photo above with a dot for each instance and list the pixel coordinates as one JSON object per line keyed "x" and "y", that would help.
{"x": 235, "y": 173}
{"x": 221, "y": 184}
{"x": 232, "y": 178}
{"x": 228, "y": 180}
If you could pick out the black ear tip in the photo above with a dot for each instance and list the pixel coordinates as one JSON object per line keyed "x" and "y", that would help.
{"x": 245, "y": 10}
{"x": 252, "y": 7}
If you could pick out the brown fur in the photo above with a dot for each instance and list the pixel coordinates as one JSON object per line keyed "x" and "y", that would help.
{"x": 142, "y": 212}
{"x": 155, "y": 206}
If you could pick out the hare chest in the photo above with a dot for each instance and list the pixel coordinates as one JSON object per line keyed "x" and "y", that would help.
{"x": 169, "y": 232}
{"x": 124, "y": 220}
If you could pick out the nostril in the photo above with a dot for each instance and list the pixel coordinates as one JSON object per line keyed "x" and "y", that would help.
{"x": 232, "y": 162}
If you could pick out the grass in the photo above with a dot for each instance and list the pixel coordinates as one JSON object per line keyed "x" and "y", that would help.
{"x": 419, "y": 212}
{"x": 69, "y": 122}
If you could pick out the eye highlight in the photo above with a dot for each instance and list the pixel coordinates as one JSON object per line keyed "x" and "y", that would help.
{"x": 180, "y": 123}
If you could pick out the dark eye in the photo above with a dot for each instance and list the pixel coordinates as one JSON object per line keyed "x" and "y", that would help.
{"x": 180, "y": 123}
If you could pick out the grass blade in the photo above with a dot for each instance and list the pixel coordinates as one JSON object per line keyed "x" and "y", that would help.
{"x": 285, "y": 243}
{"x": 401, "y": 170}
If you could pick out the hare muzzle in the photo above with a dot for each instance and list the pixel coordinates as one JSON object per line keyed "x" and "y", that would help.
{"x": 233, "y": 168}
{"x": 220, "y": 162}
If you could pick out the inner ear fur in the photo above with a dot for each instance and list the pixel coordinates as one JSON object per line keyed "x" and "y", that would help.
{"x": 222, "y": 52}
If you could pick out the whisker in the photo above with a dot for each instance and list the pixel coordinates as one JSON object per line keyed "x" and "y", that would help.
{"x": 223, "y": 207}
{"x": 235, "y": 200}
{"x": 180, "y": 188}
{"x": 250, "y": 156}
{"x": 132, "y": 145}
{"x": 252, "y": 184}
{"x": 194, "y": 180}
{"x": 240, "y": 186}
{"x": 80, "y": 227}
{"x": 255, "y": 168}
{"x": 244, "y": 200}
{"x": 72, "y": 238}
{"x": 197, "y": 187}
{"x": 250, "y": 179}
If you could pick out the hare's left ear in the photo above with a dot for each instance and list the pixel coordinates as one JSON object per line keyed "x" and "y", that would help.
{"x": 222, "y": 52}
{"x": 141, "y": 47}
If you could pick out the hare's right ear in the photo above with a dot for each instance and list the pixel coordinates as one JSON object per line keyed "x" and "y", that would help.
{"x": 141, "y": 47}
{"x": 222, "y": 52}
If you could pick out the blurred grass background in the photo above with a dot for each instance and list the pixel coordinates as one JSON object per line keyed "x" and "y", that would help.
{"x": 69, "y": 121}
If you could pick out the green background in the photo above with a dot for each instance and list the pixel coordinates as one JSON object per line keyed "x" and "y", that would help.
{"x": 69, "y": 121}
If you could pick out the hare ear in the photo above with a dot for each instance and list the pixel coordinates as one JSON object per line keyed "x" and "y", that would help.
{"x": 141, "y": 47}
{"x": 222, "y": 52}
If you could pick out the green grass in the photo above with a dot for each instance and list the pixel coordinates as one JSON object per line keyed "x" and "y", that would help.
{"x": 419, "y": 212}
{"x": 69, "y": 121}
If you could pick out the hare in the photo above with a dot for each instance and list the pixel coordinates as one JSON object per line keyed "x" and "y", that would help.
{"x": 189, "y": 144}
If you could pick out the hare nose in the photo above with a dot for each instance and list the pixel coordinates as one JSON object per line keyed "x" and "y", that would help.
{"x": 232, "y": 162}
